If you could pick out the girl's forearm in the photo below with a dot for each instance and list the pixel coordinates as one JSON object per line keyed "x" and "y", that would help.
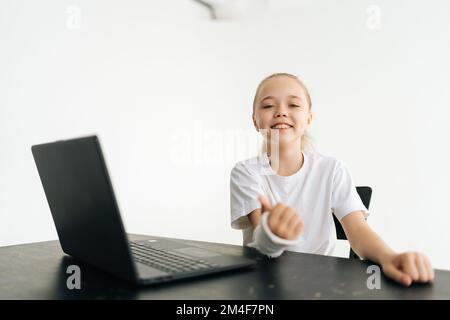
{"x": 369, "y": 245}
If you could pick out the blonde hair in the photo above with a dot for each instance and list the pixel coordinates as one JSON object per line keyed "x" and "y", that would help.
{"x": 306, "y": 138}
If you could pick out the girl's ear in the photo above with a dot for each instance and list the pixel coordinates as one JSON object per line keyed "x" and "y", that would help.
{"x": 310, "y": 118}
{"x": 254, "y": 123}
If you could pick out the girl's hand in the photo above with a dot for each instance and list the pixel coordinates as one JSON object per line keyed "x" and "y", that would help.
{"x": 408, "y": 267}
{"x": 283, "y": 221}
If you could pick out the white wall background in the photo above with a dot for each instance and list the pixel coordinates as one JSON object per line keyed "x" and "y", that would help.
{"x": 140, "y": 72}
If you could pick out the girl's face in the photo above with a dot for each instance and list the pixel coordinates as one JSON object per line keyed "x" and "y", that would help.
{"x": 282, "y": 105}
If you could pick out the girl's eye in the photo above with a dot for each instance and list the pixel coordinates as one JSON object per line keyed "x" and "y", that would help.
{"x": 267, "y": 106}
{"x": 294, "y": 105}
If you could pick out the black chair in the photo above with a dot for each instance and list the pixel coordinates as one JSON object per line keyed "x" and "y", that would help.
{"x": 365, "y": 193}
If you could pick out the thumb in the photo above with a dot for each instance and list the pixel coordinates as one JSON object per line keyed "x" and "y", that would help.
{"x": 394, "y": 273}
{"x": 265, "y": 205}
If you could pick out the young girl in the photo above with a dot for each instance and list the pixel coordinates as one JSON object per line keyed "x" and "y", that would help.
{"x": 284, "y": 199}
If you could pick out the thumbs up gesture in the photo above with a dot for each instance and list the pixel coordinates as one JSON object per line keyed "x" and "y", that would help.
{"x": 283, "y": 221}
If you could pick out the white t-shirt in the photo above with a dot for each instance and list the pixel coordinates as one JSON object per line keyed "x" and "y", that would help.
{"x": 321, "y": 187}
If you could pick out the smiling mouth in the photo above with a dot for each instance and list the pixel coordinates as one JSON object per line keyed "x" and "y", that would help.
{"x": 281, "y": 126}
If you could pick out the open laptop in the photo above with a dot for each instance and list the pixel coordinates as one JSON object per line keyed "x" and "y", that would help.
{"x": 89, "y": 226}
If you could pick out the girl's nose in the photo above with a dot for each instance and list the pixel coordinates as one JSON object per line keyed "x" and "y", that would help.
{"x": 280, "y": 113}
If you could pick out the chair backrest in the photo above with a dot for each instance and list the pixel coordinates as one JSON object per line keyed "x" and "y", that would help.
{"x": 365, "y": 193}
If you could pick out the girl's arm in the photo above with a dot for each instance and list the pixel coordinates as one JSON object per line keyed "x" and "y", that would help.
{"x": 404, "y": 267}
{"x": 255, "y": 217}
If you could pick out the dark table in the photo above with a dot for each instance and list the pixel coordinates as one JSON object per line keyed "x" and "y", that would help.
{"x": 38, "y": 271}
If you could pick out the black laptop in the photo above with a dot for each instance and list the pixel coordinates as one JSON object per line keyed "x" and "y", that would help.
{"x": 82, "y": 202}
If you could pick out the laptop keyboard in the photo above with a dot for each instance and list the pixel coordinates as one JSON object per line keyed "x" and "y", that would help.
{"x": 167, "y": 261}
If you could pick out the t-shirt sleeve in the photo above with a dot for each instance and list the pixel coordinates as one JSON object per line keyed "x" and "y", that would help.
{"x": 344, "y": 198}
{"x": 245, "y": 188}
